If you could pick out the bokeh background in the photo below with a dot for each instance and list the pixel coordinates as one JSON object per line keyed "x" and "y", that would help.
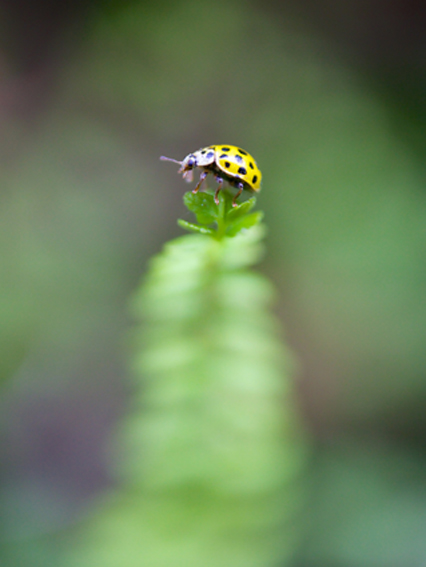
{"x": 330, "y": 98}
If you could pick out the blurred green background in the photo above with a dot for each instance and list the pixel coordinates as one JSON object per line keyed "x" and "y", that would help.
{"x": 330, "y": 99}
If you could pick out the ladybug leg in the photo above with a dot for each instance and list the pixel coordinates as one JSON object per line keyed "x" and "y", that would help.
{"x": 202, "y": 177}
{"x": 219, "y": 187}
{"x": 240, "y": 190}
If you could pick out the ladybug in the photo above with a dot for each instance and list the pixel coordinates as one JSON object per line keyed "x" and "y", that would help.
{"x": 226, "y": 163}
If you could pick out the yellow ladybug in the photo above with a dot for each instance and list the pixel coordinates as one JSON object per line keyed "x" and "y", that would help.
{"x": 226, "y": 163}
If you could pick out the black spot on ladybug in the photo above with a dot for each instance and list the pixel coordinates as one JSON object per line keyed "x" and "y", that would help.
{"x": 223, "y": 156}
{"x": 227, "y": 164}
{"x": 254, "y": 179}
{"x": 242, "y": 171}
{"x": 226, "y": 149}
{"x": 210, "y": 155}
{"x": 238, "y": 159}
{"x": 251, "y": 165}
{"x": 242, "y": 152}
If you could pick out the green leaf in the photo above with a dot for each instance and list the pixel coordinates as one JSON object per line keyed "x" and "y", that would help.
{"x": 244, "y": 222}
{"x": 203, "y": 205}
{"x": 240, "y": 210}
{"x": 229, "y": 220}
{"x": 194, "y": 227}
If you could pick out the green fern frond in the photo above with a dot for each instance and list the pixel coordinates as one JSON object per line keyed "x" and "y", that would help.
{"x": 211, "y": 475}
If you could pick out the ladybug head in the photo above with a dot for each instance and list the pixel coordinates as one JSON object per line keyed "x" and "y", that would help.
{"x": 186, "y": 165}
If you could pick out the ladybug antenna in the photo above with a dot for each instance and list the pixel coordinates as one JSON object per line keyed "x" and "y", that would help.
{"x": 164, "y": 158}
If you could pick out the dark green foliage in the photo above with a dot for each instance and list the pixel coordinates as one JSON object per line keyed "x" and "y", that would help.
{"x": 211, "y": 472}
